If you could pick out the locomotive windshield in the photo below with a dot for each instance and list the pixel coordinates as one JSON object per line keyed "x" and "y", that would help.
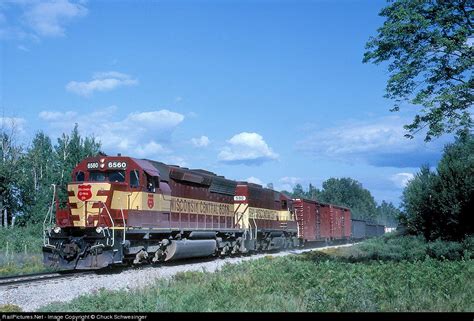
{"x": 111, "y": 176}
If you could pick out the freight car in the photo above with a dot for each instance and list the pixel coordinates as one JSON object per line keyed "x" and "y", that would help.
{"x": 331, "y": 224}
{"x": 358, "y": 230}
{"x": 123, "y": 210}
{"x": 362, "y": 229}
{"x": 321, "y": 222}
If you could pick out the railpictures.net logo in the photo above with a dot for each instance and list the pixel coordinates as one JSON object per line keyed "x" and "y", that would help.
{"x": 73, "y": 317}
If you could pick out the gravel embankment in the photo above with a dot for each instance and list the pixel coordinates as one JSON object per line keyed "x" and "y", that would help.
{"x": 31, "y": 297}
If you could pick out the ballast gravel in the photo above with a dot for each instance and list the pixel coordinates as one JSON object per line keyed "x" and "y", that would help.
{"x": 31, "y": 297}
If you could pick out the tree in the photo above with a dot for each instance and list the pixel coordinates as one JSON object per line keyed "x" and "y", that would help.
{"x": 313, "y": 193}
{"x": 38, "y": 168}
{"x": 417, "y": 202}
{"x": 10, "y": 154}
{"x": 455, "y": 200}
{"x": 388, "y": 214}
{"x": 70, "y": 150}
{"x": 439, "y": 204}
{"x": 298, "y": 191}
{"x": 350, "y": 193}
{"x": 428, "y": 45}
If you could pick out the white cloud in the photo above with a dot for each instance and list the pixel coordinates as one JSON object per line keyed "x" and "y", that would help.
{"x": 101, "y": 81}
{"x": 247, "y": 148}
{"x": 12, "y": 125}
{"x": 175, "y": 160}
{"x": 23, "y": 48}
{"x": 401, "y": 179}
{"x": 379, "y": 142}
{"x": 202, "y": 141}
{"x": 48, "y": 18}
{"x": 254, "y": 180}
{"x": 288, "y": 182}
{"x": 161, "y": 119}
{"x": 55, "y": 116}
{"x": 139, "y": 134}
{"x": 32, "y": 19}
{"x": 150, "y": 149}
{"x": 470, "y": 41}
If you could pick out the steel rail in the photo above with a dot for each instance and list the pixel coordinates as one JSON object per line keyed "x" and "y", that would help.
{"x": 37, "y": 277}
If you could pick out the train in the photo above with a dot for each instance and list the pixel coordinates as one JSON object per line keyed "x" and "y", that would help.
{"x": 122, "y": 210}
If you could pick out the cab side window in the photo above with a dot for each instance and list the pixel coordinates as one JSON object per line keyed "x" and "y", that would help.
{"x": 152, "y": 183}
{"x": 79, "y": 176}
{"x": 134, "y": 178}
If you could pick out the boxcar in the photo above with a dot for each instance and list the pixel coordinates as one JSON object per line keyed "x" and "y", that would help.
{"x": 358, "y": 229}
{"x": 321, "y": 222}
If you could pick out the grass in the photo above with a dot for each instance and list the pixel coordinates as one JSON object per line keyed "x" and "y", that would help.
{"x": 10, "y": 308}
{"x": 20, "y": 250}
{"x": 397, "y": 249}
{"x": 363, "y": 278}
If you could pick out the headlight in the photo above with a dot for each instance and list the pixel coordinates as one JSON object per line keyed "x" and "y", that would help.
{"x": 99, "y": 229}
{"x": 57, "y": 229}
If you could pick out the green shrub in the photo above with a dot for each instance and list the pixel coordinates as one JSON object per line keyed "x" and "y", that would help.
{"x": 404, "y": 248}
{"x": 20, "y": 250}
{"x": 10, "y": 308}
{"x": 27, "y": 239}
{"x": 445, "y": 250}
{"x": 468, "y": 247}
{"x": 21, "y": 264}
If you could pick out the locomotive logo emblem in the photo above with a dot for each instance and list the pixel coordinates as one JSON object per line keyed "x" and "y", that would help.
{"x": 84, "y": 192}
{"x": 151, "y": 201}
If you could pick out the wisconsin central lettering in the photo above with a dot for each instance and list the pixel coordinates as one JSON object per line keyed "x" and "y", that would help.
{"x": 186, "y": 205}
{"x": 263, "y": 214}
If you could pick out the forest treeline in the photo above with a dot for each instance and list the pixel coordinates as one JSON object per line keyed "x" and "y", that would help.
{"x": 27, "y": 173}
{"x": 350, "y": 193}
{"x": 435, "y": 203}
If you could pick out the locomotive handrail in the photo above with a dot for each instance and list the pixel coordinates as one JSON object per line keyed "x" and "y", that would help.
{"x": 241, "y": 216}
{"x": 49, "y": 215}
{"x": 124, "y": 225}
{"x": 112, "y": 222}
{"x": 297, "y": 223}
{"x": 256, "y": 231}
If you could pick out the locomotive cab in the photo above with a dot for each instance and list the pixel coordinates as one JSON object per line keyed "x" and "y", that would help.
{"x": 94, "y": 218}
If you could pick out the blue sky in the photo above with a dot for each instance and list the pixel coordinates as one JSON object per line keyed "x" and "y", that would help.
{"x": 266, "y": 91}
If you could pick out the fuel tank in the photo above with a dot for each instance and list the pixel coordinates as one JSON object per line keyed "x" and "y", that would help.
{"x": 190, "y": 248}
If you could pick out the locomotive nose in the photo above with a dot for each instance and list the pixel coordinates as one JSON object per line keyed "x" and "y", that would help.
{"x": 87, "y": 202}
{"x": 70, "y": 250}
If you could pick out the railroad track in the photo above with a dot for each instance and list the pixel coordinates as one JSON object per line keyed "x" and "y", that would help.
{"x": 10, "y": 281}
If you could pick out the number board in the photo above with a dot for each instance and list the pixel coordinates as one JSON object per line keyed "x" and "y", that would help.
{"x": 116, "y": 165}
{"x": 92, "y": 165}
{"x": 110, "y": 165}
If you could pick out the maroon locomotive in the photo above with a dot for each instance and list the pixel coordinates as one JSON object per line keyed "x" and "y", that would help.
{"x": 127, "y": 210}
